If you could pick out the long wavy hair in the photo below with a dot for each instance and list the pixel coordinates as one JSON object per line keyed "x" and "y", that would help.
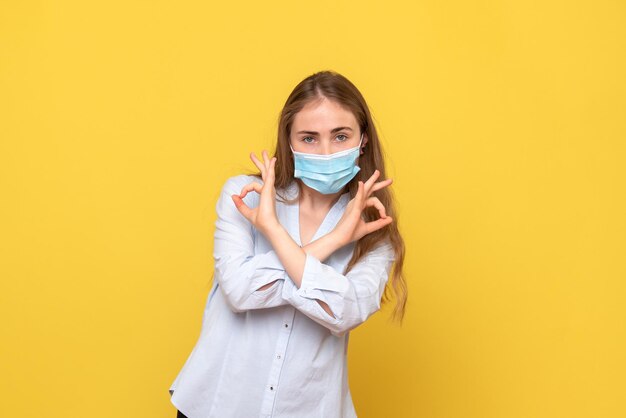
{"x": 335, "y": 87}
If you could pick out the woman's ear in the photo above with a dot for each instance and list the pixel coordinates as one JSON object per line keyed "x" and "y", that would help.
{"x": 363, "y": 144}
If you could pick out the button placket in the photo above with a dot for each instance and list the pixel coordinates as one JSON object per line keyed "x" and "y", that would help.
{"x": 277, "y": 364}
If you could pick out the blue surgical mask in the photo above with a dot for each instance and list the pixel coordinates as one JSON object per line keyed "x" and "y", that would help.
{"x": 327, "y": 173}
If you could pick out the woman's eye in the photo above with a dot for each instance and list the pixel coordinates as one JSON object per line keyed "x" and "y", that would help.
{"x": 343, "y": 136}
{"x": 305, "y": 139}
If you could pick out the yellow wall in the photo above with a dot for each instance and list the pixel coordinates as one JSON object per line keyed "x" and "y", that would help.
{"x": 504, "y": 124}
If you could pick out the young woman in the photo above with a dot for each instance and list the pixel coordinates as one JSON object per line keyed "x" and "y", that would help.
{"x": 303, "y": 252}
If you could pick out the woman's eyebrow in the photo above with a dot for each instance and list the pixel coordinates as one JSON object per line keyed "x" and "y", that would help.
{"x": 332, "y": 130}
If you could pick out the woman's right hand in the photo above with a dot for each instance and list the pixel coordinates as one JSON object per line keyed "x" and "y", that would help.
{"x": 351, "y": 226}
{"x": 264, "y": 216}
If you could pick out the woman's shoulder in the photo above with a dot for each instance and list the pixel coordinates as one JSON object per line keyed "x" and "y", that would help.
{"x": 235, "y": 183}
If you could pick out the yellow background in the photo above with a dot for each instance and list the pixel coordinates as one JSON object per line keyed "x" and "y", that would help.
{"x": 504, "y": 124}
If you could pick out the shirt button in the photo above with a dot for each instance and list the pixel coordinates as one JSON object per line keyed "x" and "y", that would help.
{"x": 271, "y": 387}
{"x": 286, "y": 325}
{"x": 278, "y": 356}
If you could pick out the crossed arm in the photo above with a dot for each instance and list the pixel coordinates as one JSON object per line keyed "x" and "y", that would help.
{"x": 290, "y": 274}
{"x": 293, "y": 257}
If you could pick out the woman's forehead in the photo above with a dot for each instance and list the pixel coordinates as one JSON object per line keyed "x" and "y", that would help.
{"x": 323, "y": 116}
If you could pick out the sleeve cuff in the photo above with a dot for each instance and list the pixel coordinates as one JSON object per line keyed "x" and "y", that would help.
{"x": 268, "y": 269}
{"x": 318, "y": 276}
{"x": 322, "y": 282}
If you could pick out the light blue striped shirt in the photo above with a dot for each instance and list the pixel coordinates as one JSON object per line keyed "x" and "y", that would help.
{"x": 276, "y": 352}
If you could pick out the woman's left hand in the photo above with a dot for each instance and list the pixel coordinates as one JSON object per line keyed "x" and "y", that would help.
{"x": 264, "y": 216}
{"x": 351, "y": 226}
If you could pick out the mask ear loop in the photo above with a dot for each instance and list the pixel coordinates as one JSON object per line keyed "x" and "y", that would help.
{"x": 363, "y": 147}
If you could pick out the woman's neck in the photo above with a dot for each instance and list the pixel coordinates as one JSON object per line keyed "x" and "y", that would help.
{"x": 313, "y": 200}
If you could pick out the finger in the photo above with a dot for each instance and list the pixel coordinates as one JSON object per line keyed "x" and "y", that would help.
{"x": 375, "y": 202}
{"x": 272, "y": 169}
{"x": 360, "y": 193}
{"x": 241, "y": 206}
{"x": 254, "y": 186}
{"x": 258, "y": 163}
{"x": 377, "y": 224}
{"x": 266, "y": 159}
{"x": 371, "y": 180}
{"x": 380, "y": 185}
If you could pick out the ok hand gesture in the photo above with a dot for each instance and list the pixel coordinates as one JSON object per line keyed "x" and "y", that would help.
{"x": 351, "y": 227}
{"x": 264, "y": 216}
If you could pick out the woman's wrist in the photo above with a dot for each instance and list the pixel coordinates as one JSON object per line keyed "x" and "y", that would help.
{"x": 336, "y": 239}
{"x": 323, "y": 247}
{"x": 268, "y": 228}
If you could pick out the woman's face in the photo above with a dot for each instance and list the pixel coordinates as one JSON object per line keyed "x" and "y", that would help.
{"x": 324, "y": 127}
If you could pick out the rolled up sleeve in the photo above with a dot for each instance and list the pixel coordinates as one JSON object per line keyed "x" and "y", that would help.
{"x": 238, "y": 271}
{"x": 352, "y": 297}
